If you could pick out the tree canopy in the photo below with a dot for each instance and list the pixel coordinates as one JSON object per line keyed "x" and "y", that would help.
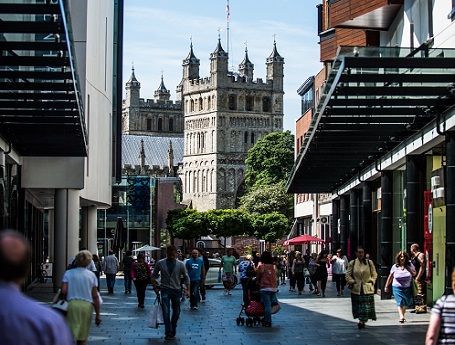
{"x": 270, "y": 160}
{"x": 270, "y": 226}
{"x": 267, "y": 199}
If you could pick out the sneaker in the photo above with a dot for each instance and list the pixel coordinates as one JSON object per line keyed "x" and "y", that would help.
{"x": 229, "y": 293}
{"x": 169, "y": 337}
{"x": 195, "y": 308}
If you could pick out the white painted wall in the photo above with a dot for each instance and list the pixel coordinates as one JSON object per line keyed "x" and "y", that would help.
{"x": 98, "y": 97}
{"x": 304, "y": 209}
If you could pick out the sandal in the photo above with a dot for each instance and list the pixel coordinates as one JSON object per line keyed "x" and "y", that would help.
{"x": 402, "y": 320}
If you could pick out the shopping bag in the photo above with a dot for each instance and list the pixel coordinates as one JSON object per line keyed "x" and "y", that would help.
{"x": 156, "y": 315}
{"x": 59, "y": 304}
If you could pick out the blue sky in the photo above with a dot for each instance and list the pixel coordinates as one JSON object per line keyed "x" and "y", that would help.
{"x": 157, "y": 38}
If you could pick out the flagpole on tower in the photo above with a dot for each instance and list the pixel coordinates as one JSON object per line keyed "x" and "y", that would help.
{"x": 228, "y": 17}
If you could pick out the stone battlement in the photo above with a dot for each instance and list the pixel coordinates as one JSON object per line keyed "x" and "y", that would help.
{"x": 177, "y": 105}
{"x": 233, "y": 81}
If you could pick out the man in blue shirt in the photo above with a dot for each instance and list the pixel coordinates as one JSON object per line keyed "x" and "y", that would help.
{"x": 22, "y": 320}
{"x": 196, "y": 272}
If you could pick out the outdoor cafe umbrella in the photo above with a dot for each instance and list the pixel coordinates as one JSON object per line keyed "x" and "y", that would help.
{"x": 146, "y": 248}
{"x": 302, "y": 239}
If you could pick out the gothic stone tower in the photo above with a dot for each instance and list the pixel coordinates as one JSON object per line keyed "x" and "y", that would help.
{"x": 159, "y": 116}
{"x": 225, "y": 114}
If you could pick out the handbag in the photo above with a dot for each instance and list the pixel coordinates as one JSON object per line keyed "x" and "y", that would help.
{"x": 156, "y": 314}
{"x": 59, "y": 303}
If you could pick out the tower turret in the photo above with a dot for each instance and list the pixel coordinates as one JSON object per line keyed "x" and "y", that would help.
{"x": 162, "y": 94}
{"x": 218, "y": 63}
{"x": 191, "y": 65}
{"x": 132, "y": 88}
{"x": 275, "y": 68}
{"x": 246, "y": 68}
{"x": 170, "y": 159}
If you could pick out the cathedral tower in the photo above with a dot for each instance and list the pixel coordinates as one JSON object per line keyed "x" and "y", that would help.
{"x": 225, "y": 115}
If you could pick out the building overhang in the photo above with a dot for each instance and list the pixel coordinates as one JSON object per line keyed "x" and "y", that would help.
{"x": 374, "y": 99}
{"x": 41, "y": 111}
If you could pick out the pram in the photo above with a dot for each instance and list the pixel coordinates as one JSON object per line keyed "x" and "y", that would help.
{"x": 254, "y": 310}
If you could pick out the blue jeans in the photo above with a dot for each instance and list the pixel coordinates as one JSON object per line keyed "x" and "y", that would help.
{"x": 267, "y": 297}
{"x": 127, "y": 281}
{"x": 194, "y": 293}
{"x": 170, "y": 298}
{"x": 110, "y": 282}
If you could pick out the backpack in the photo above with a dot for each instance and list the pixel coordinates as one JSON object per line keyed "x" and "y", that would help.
{"x": 250, "y": 271}
{"x": 312, "y": 267}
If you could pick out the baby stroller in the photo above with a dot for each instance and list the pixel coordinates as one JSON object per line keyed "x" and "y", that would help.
{"x": 254, "y": 311}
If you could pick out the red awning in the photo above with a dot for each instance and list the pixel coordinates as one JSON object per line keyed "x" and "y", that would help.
{"x": 303, "y": 239}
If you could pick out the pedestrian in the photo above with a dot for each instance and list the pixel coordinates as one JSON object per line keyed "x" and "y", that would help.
{"x": 141, "y": 276}
{"x": 195, "y": 268}
{"x": 361, "y": 276}
{"x": 321, "y": 273}
{"x": 307, "y": 258}
{"x": 256, "y": 258}
{"x": 23, "y": 320}
{"x": 418, "y": 260}
{"x": 266, "y": 278}
{"x": 99, "y": 269}
{"x": 79, "y": 288}
{"x": 312, "y": 269}
{"x": 127, "y": 262}
{"x": 441, "y": 329}
{"x": 339, "y": 266}
{"x": 170, "y": 270}
{"x": 229, "y": 269}
{"x": 401, "y": 279}
{"x": 246, "y": 271}
{"x": 298, "y": 267}
{"x": 291, "y": 257}
{"x": 284, "y": 269}
{"x": 111, "y": 266}
{"x": 202, "y": 288}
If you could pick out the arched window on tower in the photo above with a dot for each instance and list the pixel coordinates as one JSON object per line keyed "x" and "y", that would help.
{"x": 245, "y": 137}
{"x": 160, "y": 124}
{"x": 209, "y": 102}
{"x": 249, "y": 103}
{"x": 266, "y": 104}
{"x": 232, "y": 102}
{"x": 252, "y": 137}
{"x": 192, "y": 106}
{"x": 201, "y": 104}
{"x": 171, "y": 125}
{"x": 149, "y": 124}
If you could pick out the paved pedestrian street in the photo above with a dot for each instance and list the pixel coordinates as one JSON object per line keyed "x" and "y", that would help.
{"x": 305, "y": 319}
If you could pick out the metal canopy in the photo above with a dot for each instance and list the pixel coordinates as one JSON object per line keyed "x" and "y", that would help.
{"x": 374, "y": 99}
{"x": 41, "y": 111}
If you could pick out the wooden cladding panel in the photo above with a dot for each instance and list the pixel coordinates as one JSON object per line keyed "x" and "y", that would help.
{"x": 345, "y": 10}
{"x": 341, "y": 37}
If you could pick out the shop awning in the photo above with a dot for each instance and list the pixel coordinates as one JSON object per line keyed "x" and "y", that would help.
{"x": 41, "y": 112}
{"x": 374, "y": 99}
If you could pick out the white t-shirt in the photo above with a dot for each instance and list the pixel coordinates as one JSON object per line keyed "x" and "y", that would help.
{"x": 339, "y": 264}
{"x": 80, "y": 281}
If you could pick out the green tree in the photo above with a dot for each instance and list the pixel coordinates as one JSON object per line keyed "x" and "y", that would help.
{"x": 267, "y": 199}
{"x": 270, "y": 160}
{"x": 270, "y": 226}
{"x": 187, "y": 224}
{"x": 228, "y": 222}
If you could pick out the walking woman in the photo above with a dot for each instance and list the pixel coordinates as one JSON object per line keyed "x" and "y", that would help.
{"x": 442, "y": 322}
{"x": 360, "y": 277}
{"x": 79, "y": 288}
{"x": 321, "y": 272}
{"x": 297, "y": 271}
{"x": 401, "y": 279}
{"x": 141, "y": 275}
{"x": 266, "y": 277}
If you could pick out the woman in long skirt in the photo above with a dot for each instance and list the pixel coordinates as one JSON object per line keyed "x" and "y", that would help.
{"x": 360, "y": 277}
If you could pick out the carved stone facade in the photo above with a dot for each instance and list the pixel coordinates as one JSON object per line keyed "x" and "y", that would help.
{"x": 158, "y": 116}
{"x": 225, "y": 114}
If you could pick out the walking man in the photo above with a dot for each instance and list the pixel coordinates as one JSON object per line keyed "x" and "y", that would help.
{"x": 24, "y": 321}
{"x": 229, "y": 269}
{"x": 171, "y": 270}
{"x": 195, "y": 268}
{"x": 111, "y": 266}
{"x": 127, "y": 262}
{"x": 202, "y": 289}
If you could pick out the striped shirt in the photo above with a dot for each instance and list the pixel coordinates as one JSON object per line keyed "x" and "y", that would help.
{"x": 445, "y": 307}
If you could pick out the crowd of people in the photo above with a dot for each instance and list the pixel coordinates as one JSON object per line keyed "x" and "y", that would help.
{"x": 173, "y": 280}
